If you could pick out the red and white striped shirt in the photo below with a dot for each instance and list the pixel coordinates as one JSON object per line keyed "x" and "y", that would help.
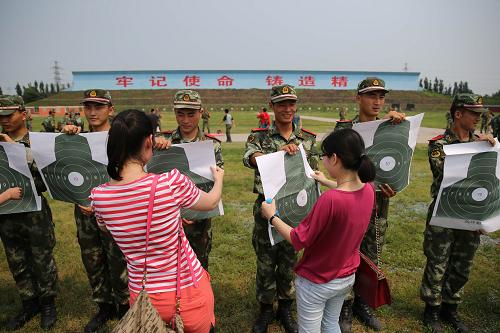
{"x": 123, "y": 209}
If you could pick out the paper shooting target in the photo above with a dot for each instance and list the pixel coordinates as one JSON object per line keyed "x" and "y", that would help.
{"x": 74, "y": 173}
{"x": 477, "y": 196}
{"x": 391, "y": 154}
{"x": 176, "y": 158}
{"x": 12, "y": 178}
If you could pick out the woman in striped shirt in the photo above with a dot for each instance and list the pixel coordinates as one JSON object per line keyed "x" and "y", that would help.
{"x": 121, "y": 206}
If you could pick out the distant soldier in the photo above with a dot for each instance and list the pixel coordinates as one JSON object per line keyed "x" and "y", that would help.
{"x": 274, "y": 277}
{"x": 342, "y": 113}
{"x": 229, "y": 122}
{"x": 449, "y": 252}
{"x": 205, "y": 115}
{"x": 49, "y": 123}
{"x": 66, "y": 120}
{"x": 495, "y": 126}
{"x": 78, "y": 121}
{"x": 371, "y": 100}
{"x": 28, "y": 238}
{"x": 188, "y": 111}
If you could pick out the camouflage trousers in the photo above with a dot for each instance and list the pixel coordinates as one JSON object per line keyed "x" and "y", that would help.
{"x": 199, "y": 235}
{"x": 228, "y": 133}
{"x": 28, "y": 239}
{"x": 103, "y": 260}
{"x": 206, "y": 125}
{"x": 274, "y": 276}
{"x": 450, "y": 253}
{"x": 369, "y": 243}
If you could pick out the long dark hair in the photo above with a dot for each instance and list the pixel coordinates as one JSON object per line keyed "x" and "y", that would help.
{"x": 349, "y": 146}
{"x": 128, "y": 131}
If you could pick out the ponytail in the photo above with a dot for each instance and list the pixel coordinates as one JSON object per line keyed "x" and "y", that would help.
{"x": 128, "y": 131}
{"x": 366, "y": 169}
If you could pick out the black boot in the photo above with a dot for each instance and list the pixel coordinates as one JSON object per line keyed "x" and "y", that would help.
{"x": 449, "y": 314}
{"x": 431, "y": 318}
{"x": 122, "y": 310}
{"x": 265, "y": 317}
{"x": 345, "y": 319}
{"x": 284, "y": 314}
{"x": 365, "y": 314}
{"x": 48, "y": 313}
{"x": 30, "y": 308}
{"x": 106, "y": 312}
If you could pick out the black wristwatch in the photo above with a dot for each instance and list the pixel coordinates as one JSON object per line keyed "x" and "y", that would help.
{"x": 271, "y": 219}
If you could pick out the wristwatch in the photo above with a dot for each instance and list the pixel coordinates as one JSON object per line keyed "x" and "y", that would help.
{"x": 271, "y": 219}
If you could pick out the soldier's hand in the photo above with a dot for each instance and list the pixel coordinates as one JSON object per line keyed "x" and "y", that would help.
{"x": 487, "y": 137}
{"x": 387, "y": 191}
{"x": 86, "y": 210}
{"x": 5, "y": 138}
{"x": 268, "y": 209}
{"x": 218, "y": 173}
{"x": 395, "y": 117}
{"x": 186, "y": 222}
{"x": 161, "y": 143}
{"x": 70, "y": 129}
{"x": 14, "y": 193}
{"x": 290, "y": 148}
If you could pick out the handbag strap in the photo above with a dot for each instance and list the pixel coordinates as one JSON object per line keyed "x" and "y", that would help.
{"x": 148, "y": 224}
{"x": 377, "y": 233}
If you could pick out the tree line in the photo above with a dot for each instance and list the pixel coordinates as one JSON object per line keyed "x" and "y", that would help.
{"x": 439, "y": 87}
{"x": 38, "y": 90}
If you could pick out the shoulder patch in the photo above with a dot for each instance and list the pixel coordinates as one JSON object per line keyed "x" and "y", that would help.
{"x": 437, "y": 137}
{"x": 258, "y": 129}
{"x": 436, "y": 153}
{"x": 307, "y": 131}
{"x": 212, "y": 136}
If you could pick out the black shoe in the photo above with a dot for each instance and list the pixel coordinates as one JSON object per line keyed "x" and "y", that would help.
{"x": 365, "y": 314}
{"x": 106, "y": 312}
{"x": 30, "y": 308}
{"x": 265, "y": 317}
{"x": 449, "y": 314}
{"x": 431, "y": 319}
{"x": 284, "y": 314}
{"x": 345, "y": 319}
{"x": 48, "y": 313}
{"x": 122, "y": 310}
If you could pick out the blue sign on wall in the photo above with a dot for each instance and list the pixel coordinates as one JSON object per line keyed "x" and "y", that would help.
{"x": 233, "y": 79}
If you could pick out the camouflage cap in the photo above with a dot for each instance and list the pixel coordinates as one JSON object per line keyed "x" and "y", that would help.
{"x": 10, "y": 104}
{"x": 97, "y": 96}
{"x": 187, "y": 99}
{"x": 371, "y": 84}
{"x": 471, "y": 102}
{"x": 282, "y": 93}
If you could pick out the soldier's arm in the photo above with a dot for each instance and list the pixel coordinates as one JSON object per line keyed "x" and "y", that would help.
{"x": 218, "y": 154}
{"x": 313, "y": 156}
{"x": 13, "y": 193}
{"x": 252, "y": 150}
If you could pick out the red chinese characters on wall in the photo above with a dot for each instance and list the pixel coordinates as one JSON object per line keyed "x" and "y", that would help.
{"x": 158, "y": 81}
{"x": 339, "y": 81}
{"x": 307, "y": 81}
{"x": 124, "y": 81}
{"x": 225, "y": 81}
{"x": 275, "y": 80}
{"x": 192, "y": 81}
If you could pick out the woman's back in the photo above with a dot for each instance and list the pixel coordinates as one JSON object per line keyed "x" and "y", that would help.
{"x": 123, "y": 210}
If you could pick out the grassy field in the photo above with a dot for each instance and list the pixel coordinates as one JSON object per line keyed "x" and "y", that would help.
{"x": 232, "y": 262}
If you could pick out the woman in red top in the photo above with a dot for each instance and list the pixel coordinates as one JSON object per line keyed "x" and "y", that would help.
{"x": 121, "y": 206}
{"x": 332, "y": 232}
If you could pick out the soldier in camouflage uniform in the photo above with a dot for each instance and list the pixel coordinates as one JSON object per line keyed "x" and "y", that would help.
{"x": 495, "y": 126}
{"x": 449, "y": 252}
{"x": 205, "y": 115}
{"x": 188, "y": 111}
{"x": 103, "y": 260}
{"x": 28, "y": 238}
{"x": 49, "y": 123}
{"x": 78, "y": 122}
{"x": 371, "y": 100}
{"x": 274, "y": 277}
{"x": 449, "y": 120}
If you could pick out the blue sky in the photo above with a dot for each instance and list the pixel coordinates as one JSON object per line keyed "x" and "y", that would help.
{"x": 454, "y": 40}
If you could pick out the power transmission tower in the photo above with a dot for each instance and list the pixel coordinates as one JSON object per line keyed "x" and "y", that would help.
{"x": 57, "y": 73}
{"x": 406, "y": 67}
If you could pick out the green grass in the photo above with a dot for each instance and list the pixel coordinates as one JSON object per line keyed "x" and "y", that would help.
{"x": 232, "y": 262}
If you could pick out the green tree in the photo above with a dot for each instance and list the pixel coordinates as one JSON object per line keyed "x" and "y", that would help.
{"x": 420, "y": 84}
{"x": 31, "y": 94}
{"x": 52, "y": 89}
{"x": 441, "y": 86}
{"x": 1, "y": 92}
{"x": 426, "y": 83}
{"x": 435, "y": 88}
{"x": 19, "y": 91}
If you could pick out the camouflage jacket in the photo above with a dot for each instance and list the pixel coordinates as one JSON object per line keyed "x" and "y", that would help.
{"x": 49, "y": 124}
{"x": 495, "y": 126}
{"x": 436, "y": 156}
{"x": 382, "y": 201}
{"x": 176, "y": 138}
{"x": 39, "y": 184}
{"x": 269, "y": 140}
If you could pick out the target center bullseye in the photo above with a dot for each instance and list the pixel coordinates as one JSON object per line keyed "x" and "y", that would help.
{"x": 302, "y": 198}
{"x": 387, "y": 163}
{"x": 75, "y": 178}
{"x": 479, "y": 194}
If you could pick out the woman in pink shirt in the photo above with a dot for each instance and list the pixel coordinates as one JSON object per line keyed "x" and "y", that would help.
{"x": 121, "y": 207}
{"x": 332, "y": 232}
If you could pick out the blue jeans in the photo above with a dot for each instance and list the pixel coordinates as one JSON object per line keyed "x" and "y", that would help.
{"x": 319, "y": 305}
